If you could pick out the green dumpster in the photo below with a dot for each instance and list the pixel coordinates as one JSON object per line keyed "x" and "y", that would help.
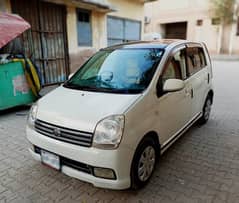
{"x": 14, "y": 89}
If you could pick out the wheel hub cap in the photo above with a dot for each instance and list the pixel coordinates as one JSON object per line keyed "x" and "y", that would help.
{"x": 207, "y": 110}
{"x": 146, "y": 163}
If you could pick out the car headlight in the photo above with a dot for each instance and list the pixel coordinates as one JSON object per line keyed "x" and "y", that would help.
{"x": 32, "y": 115}
{"x": 108, "y": 132}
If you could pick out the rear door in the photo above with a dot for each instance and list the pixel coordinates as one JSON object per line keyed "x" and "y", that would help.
{"x": 197, "y": 76}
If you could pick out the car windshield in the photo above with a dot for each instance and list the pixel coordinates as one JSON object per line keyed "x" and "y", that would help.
{"x": 127, "y": 71}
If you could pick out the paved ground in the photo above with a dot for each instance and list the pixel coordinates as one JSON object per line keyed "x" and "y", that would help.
{"x": 202, "y": 166}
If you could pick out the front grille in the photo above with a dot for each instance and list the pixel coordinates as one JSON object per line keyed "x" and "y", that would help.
{"x": 76, "y": 165}
{"x": 64, "y": 134}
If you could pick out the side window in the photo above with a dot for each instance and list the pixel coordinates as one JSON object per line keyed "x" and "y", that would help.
{"x": 181, "y": 61}
{"x": 170, "y": 71}
{"x": 176, "y": 68}
{"x": 202, "y": 57}
{"x": 195, "y": 60}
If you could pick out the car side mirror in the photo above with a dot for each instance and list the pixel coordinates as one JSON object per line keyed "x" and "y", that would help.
{"x": 70, "y": 76}
{"x": 173, "y": 85}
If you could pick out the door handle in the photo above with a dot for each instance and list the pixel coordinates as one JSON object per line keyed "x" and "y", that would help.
{"x": 192, "y": 93}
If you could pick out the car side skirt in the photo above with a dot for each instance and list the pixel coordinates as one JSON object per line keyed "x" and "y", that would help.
{"x": 178, "y": 134}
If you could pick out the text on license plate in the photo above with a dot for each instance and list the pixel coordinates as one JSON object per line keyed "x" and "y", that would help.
{"x": 50, "y": 159}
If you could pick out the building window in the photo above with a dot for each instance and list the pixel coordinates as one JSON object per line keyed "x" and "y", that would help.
{"x": 237, "y": 26}
{"x": 84, "y": 32}
{"x": 120, "y": 30}
{"x": 216, "y": 21}
{"x": 199, "y": 22}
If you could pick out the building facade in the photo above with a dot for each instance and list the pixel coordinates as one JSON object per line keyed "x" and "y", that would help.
{"x": 192, "y": 20}
{"x": 65, "y": 33}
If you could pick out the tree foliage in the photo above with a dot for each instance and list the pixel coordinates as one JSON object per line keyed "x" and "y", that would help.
{"x": 224, "y": 10}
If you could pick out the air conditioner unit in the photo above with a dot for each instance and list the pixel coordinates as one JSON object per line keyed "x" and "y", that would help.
{"x": 147, "y": 20}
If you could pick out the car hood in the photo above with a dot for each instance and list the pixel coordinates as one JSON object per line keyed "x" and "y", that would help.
{"x": 81, "y": 110}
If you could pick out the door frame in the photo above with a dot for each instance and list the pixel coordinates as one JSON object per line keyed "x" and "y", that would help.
{"x": 34, "y": 37}
{"x": 184, "y": 23}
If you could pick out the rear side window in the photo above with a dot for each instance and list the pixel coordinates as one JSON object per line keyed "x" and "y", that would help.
{"x": 195, "y": 60}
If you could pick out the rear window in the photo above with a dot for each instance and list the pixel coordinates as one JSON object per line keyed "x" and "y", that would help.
{"x": 196, "y": 60}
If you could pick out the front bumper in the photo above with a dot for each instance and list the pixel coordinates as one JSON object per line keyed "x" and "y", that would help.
{"x": 118, "y": 160}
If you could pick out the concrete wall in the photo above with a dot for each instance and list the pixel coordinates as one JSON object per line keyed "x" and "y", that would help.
{"x": 170, "y": 11}
{"x": 133, "y": 9}
{"x": 234, "y": 41}
{"x": 78, "y": 55}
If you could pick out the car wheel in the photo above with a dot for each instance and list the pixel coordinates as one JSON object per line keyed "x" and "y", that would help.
{"x": 206, "y": 111}
{"x": 143, "y": 163}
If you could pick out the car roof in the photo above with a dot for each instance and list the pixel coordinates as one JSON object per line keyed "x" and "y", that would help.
{"x": 160, "y": 44}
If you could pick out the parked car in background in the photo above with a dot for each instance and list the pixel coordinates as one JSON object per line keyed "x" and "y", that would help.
{"x": 109, "y": 123}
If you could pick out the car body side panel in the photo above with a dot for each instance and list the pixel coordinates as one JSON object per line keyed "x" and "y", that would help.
{"x": 144, "y": 116}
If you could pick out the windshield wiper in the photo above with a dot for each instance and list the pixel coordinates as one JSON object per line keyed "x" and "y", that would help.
{"x": 70, "y": 85}
{"x": 102, "y": 89}
{"x": 85, "y": 87}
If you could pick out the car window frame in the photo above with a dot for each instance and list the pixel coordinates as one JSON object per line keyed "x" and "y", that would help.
{"x": 199, "y": 47}
{"x": 110, "y": 50}
{"x": 159, "y": 84}
{"x": 170, "y": 57}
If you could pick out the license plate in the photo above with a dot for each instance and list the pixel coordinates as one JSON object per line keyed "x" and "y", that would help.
{"x": 50, "y": 159}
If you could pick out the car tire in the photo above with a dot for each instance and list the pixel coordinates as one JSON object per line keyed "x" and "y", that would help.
{"x": 206, "y": 111}
{"x": 143, "y": 163}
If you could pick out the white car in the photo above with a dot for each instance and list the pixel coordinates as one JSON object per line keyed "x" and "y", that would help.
{"x": 109, "y": 123}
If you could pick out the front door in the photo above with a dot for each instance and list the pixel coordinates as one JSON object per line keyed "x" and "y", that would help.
{"x": 46, "y": 41}
{"x": 174, "y": 107}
